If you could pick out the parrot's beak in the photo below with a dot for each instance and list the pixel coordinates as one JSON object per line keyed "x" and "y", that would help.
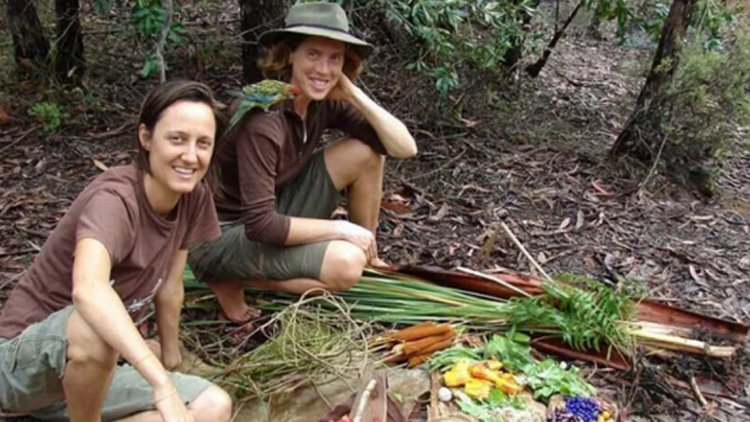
{"x": 294, "y": 90}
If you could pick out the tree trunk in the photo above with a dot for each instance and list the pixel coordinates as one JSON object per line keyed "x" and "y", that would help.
{"x": 535, "y": 68}
{"x": 513, "y": 56}
{"x": 30, "y": 46}
{"x": 646, "y": 116}
{"x": 258, "y": 16}
{"x": 69, "y": 62}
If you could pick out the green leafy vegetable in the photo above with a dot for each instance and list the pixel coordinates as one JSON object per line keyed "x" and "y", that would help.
{"x": 548, "y": 377}
{"x": 445, "y": 359}
{"x": 512, "y": 354}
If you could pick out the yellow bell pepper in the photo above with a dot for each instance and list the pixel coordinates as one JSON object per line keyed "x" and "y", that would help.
{"x": 477, "y": 388}
{"x": 494, "y": 365}
{"x": 482, "y": 371}
{"x": 458, "y": 375}
{"x": 509, "y": 386}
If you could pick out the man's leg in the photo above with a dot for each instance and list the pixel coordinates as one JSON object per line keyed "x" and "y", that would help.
{"x": 354, "y": 166}
{"x": 88, "y": 372}
{"x": 342, "y": 267}
{"x": 213, "y": 405}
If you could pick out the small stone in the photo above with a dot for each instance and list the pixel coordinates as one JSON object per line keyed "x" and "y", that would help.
{"x": 445, "y": 394}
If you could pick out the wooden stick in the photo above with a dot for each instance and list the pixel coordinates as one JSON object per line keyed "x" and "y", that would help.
{"x": 697, "y": 391}
{"x": 525, "y": 252}
{"x": 363, "y": 401}
{"x": 495, "y": 279}
{"x": 20, "y": 138}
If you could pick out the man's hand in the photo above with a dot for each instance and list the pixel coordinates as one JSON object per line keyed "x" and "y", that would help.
{"x": 344, "y": 90}
{"x": 170, "y": 406}
{"x": 359, "y": 236}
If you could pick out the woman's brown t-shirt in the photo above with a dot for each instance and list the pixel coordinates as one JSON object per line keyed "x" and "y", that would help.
{"x": 114, "y": 210}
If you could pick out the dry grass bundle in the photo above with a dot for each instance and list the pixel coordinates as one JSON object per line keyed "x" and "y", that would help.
{"x": 313, "y": 340}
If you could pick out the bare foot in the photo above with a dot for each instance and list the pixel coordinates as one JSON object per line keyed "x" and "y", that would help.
{"x": 231, "y": 298}
{"x": 379, "y": 263}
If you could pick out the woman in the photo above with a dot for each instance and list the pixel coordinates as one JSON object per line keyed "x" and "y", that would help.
{"x": 278, "y": 192}
{"x": 121, "y": 246}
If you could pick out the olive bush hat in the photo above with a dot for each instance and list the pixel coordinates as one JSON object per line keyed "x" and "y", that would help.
{"x": 320, "y": 19}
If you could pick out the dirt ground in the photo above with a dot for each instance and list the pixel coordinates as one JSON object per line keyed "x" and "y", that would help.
{"x": 541, "y": 168}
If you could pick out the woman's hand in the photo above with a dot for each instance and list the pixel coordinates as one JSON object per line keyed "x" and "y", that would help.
{"x": 170, "y": 406}
{"x": 171, "y": 358}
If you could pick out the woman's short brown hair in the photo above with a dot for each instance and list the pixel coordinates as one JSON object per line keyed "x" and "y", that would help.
{"x": 274, "y": 59}
{"x": 164, "y": 96}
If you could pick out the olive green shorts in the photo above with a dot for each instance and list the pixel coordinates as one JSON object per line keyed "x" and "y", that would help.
{"x": 232, "y": 256}
{"x": 33, "y": 363}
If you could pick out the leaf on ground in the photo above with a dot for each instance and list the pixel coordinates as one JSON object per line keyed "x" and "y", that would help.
{"x": 101, "y": 166}
{"x": 397, "y": 207}
{"x": 580, "y": 220}
{"x": 4, "y": 115}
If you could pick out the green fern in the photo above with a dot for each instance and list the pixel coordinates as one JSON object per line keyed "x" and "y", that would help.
{"x": 587, "y": 313}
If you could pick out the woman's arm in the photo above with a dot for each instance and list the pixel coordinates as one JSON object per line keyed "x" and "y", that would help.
{"x": 102, "y": 309}
{"x": 168, "y": 302}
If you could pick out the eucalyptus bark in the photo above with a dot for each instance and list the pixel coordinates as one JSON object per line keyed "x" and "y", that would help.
{"x": 258, "y": 16}
{"x": 69, "y": 61}
{"x": 645, "y": 119}
{"x": 30, "y": 46}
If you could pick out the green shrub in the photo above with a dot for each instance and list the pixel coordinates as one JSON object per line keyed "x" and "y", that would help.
{"x": 707, "y": 101}
{"x": 49, "y": 114}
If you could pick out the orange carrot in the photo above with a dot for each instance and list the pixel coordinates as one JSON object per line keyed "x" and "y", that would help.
{"x": 418, "y": 360}
{"x": 424, "y": 324}
{"x": 395, "y": 358}
{"x": 437, "y": 347}
{"x": 422, "y": 332}
{"x": 415, "y": 347}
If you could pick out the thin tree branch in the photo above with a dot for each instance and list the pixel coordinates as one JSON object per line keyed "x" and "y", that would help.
{"x": 169, "y": 10}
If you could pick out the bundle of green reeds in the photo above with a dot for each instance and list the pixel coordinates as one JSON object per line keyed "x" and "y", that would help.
{"x": 585, "y": 318}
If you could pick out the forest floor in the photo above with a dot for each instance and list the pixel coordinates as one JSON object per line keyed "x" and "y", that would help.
{"x": 540, "y": 166}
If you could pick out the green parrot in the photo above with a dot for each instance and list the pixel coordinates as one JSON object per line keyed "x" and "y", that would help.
{"x": 263, "y": 94}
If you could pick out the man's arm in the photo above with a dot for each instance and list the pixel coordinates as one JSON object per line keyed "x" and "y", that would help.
{"x": 168, "y": 302}
{"x": 391, "y": 131}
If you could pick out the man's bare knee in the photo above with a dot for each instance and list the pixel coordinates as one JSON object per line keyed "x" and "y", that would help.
{"x": 85, "y": 345}
{"x": 343, "y": 266}
{"x": 368, "y": 158}
{"x": 213, "y": 405}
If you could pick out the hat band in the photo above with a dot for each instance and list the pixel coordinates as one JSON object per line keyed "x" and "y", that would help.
{"x": 313, "y": 25}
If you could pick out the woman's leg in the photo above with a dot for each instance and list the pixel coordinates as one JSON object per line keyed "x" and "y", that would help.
{"x": 88, "y": 372}
{"x": 212, "y": 405}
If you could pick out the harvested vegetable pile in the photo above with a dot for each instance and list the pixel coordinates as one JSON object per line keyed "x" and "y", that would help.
{"x": 488, "y": 382}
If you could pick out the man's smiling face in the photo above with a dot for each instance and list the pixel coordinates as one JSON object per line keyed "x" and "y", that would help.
{"x": 316, "y": 66}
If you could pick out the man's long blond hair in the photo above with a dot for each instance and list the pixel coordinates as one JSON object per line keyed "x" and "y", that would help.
{"x": 274, "y": 60}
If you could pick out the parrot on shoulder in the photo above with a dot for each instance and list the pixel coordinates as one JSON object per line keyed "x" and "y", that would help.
{"x": 263, "y": 94}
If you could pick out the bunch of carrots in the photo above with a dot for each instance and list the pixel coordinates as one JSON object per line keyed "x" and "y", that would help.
{"x": 416, "y": 344}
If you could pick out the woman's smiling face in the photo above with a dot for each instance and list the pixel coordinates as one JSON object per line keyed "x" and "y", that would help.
{"x": 180, "y": 146}
{"x": 316, "y": 66}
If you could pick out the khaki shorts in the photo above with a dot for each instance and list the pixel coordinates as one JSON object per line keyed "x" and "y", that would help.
{"x": 33, "y": 363}
{"x": 232, "y": 256}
